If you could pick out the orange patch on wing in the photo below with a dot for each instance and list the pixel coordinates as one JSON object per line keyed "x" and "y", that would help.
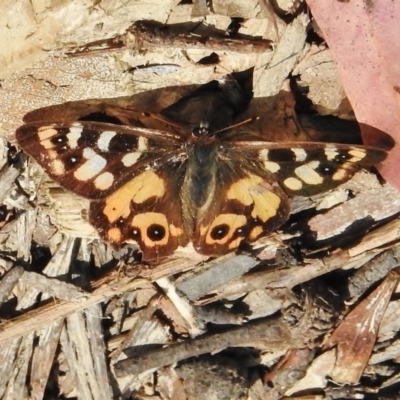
{"x": 138, "y": 190}
{"x": 255, "y": 233}
{"x": 266, "y": 205}
{"x": 114, "y": 235}
{"x": 255, "y": 190}
{"x": 175, "y": 231}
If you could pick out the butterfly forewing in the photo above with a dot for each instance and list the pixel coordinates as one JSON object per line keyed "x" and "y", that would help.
{"x": 94, "y": 159}
{"x": 307, "y": 168}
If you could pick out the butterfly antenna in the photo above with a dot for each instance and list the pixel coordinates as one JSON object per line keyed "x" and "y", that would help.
{"x": 165, "y": 121}
{"x": 244, "y": 122}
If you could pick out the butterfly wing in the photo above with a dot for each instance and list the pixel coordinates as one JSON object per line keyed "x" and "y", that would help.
{"x": 145, "y": 210}
{"x": 248, "y": 204}
{"x": 309, "y": 168}
{"x": 132, "y": 184}
{"x": 256, "y": 180}
{"x": 93, "y": 159}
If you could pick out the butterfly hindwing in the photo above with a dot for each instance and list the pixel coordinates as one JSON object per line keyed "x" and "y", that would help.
{"x": 246, "y": 205}
{"x": 145, "y": 210}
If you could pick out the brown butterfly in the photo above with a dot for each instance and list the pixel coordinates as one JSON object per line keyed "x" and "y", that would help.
{"x": 202, "y": 184}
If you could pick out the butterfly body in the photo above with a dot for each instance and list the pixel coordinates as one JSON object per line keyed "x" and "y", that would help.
{"x": 202, "y": 185}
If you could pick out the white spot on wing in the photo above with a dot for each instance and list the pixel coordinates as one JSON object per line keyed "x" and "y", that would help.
{"x": 74, "y": 134}
{"x": 264, "y": 153}
{"x": 104, "y": 181}
{"x": 92, "y": 167}
{"x": 130, "y": 158}
{"x": 142, "y": 144}
{"x": 331, "y": 153}
{"x": 103, "y": 142}
{"x": 308, "y": 174}
{"x": 88, "y": 153}
{"x": 300, "y": 154}
{"x": 272, "y": 166}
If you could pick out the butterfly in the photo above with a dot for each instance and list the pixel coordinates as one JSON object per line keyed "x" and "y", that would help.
{"x": 197, "y": 182}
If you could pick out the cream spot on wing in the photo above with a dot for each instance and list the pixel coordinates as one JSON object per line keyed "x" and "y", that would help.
{"x": 57, "y": 167}
{"x": 331, "y": 153}
{"x": 300, "y": 154}
{"x": 88, "y": 153}
{"x": 46, "y": 132}
{"x": 175, "y": 231}
{"x": 293, "y": 183}
{"x": 104, "y": 140}
{"x": 240, "y": 190}
{"x": 130, "y": 158}
{"x": 74, "y": 134}
{"x": 269, "y": 165}
{"x": 47, "y": 144}
{"x": 308, "y": 174}
{"x": 358, "y": 154}
{"x": 272, "y": 166}
{"x": 340, "y": 174}
{"x": 264, "y": 153}
{"x": 145, "y": 186}
{"x": 142, "y": 144}
{"x": 92, "y": 167}
{"x": 104, "y": 181}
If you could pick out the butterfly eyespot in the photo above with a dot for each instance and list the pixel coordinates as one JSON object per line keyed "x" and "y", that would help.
{"x": 156, "y": 232}
{"x": 219, "y": 232}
